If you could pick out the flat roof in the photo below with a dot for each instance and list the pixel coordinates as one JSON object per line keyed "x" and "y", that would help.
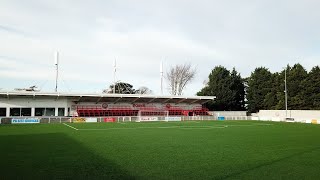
{"x": 103, "y": 97}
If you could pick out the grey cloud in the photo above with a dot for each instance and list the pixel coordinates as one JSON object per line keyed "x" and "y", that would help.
{"x": 90, "y": 34}
{"x": 13, "y": 30}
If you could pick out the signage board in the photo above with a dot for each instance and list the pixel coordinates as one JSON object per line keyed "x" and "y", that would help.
{"x": 25, "y": 120}
{"x": 78, "y": 120}
{"x": 146, "y": 118}
{"x": 91, "y": 119}
{"x": 109, "y": 119}
{"x": 173, "y": 118}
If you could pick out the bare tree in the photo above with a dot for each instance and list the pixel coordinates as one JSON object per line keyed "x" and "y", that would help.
{"x": 178, "y": 78}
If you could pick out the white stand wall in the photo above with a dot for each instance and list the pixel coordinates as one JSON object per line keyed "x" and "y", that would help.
{"x": 34, "y": 103}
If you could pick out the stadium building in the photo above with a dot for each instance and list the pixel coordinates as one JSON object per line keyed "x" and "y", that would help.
{"x": 40, "y": 104}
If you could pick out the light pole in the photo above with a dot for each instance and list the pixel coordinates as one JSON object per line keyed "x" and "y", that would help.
{"x": 56, "y": 63}
{"x": 286, "y": 91}
{"x": 161, "y": 77}
{"x": 114, "y": 75}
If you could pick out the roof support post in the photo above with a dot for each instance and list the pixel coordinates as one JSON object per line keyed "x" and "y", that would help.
{"x": 181, "y": 100}
{"x": 206, "y": 101}
{"x": 79, "y": 98}
{"x": 117, "y": 100}
{"x": 194, "y": 101}
{"x": 99, "y": 100}
{"x": 136, "y": 99}
{"x": 166, "y": 100}
{"x": 151, "y": 100}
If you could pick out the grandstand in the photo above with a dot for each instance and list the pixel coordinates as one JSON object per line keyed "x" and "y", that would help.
{"x": 33, "y": 104}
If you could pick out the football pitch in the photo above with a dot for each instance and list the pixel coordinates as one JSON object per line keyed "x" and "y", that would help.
{"x": 161, "y": 150}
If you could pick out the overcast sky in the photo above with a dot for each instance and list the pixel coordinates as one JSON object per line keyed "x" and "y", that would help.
{"x": 90, "y": 34}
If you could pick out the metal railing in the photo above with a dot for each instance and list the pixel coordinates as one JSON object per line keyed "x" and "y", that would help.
{"x": 63, "y": 119}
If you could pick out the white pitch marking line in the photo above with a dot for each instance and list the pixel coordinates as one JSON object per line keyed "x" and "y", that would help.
{"x": 71, "y": 126}
{"x": 173, "y": 127}
{"x": 213, "y": 127}
{"x": 169, "y": 127}
{"x": 123, "y": 128}
{"x": 264, "y": 124}
{"x": 240, "y": 125}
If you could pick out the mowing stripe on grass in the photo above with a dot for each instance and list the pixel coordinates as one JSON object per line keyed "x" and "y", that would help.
{"x": 246, "y": 125}
{"x": 165, "y": 127}
{"x": 124, "y": 128}
{"x": 172, "y": 127}
{"x": 70, "y": 126}
{"x": 202, "y": 127}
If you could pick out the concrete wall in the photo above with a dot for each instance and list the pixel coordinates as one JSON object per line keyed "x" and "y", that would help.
{"x": 228, "y": 113}
{"x": 280, "y": 115}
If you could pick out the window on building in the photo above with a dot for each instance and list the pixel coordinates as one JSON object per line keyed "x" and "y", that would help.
{"x": 39, "y": 111}
{"x": 15, "y": 111}
{"x": 44, "y": 111}
{"x": 60, "y": 111}
{"x": 25, "y": 111}
{"x": 50, "y": 112}
{"x": 3, "y": 112}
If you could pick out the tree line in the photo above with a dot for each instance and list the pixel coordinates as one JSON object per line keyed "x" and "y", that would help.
{"x": 263, "y": 89}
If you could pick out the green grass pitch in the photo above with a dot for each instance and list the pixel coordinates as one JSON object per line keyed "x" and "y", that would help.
{"x": 161, "y": 150}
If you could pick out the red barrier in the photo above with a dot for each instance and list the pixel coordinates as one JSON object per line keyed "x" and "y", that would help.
{"x": 109, "y": 119}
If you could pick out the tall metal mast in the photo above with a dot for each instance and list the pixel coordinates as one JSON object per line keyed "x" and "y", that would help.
{"x": 114, "y": 75}
{"x": 56, "y": 63}
{"x": 286, "y": 91}
{"x": 161, "y": 77}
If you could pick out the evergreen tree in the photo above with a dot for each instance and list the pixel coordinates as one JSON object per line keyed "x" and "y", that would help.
{"x": 238, "y": 91}
{"x": 259, "y": 88}
{"x": 295, "y": 79}
{"x": 279, "y": 89}
{"x": 227, "y": 87}
{"x": 312, "y": 89}
{"x": 271, "y": 98}
{"x": 120, "y": 88}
